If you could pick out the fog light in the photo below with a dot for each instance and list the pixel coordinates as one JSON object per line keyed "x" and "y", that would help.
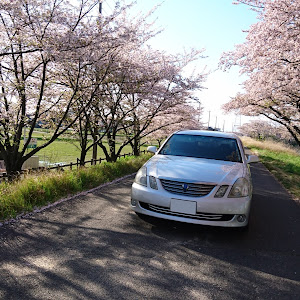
{"x": 133, "y": 202}
{"x": 241, "y": 218}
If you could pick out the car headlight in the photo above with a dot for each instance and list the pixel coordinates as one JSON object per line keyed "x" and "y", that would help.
{"x": 239, "y": 189}
{"x": 141, "y": 176}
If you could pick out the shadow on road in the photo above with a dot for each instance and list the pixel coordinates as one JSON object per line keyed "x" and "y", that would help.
{"x": 97, "y": 248}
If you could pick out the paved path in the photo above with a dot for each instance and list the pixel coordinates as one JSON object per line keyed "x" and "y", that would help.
{"x": 95, "y": 247}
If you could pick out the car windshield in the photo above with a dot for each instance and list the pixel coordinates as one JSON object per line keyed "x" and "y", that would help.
{"x": 200, "y": 146}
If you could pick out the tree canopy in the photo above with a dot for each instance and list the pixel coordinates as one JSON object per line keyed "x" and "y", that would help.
{"x": 270, "y": 57}
{"x": 64, "y": 66}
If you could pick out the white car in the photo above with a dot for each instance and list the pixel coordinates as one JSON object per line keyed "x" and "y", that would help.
{"x": 199, "y": 177}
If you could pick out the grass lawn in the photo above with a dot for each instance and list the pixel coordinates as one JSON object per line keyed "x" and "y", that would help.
{"x": 66, "y": 150}
{"x": 63, "y": 151}
{"x": 283, "y": 162}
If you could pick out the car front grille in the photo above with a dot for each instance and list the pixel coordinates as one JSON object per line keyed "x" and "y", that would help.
{"x": 197, "y": 216}
{"x": 186, "y": 189}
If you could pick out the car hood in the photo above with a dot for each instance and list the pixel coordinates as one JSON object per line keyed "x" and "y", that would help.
{"x": 196, "y": 170}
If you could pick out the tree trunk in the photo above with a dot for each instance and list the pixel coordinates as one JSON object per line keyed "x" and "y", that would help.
{"x": 112, "y": 149}
{"x": 95, "y": 148}
{"x": 83, "y": 134}
{"x": 107, "y": 156}
{"x": 82, "y": 157}
{"x": 294, "y": 135}
{"x": 136, "y": 146}
{"x": 13, "y": 163}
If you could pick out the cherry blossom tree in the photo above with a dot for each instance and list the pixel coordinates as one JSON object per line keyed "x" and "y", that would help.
{"x": 271, "y": 59}
{"x": 109, "y": 68}
{"x": 64, "y": 67}
{"x": 103, "y": 63}
{"x": 183, "y": 117}
{"x": 47, "y": 48}
{"x": 36, "y": 37}
{"x": 149, "y": 84}
{"x": 260, "y": 129}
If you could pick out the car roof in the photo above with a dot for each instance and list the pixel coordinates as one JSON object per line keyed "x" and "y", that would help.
{"x": 208, "y": 133}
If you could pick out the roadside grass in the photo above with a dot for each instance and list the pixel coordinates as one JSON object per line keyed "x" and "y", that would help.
{"x": 282, "y": 161}
{"x": 38, "y": 190}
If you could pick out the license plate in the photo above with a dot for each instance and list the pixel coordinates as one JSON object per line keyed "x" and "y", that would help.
{"x": 182, "y": 206}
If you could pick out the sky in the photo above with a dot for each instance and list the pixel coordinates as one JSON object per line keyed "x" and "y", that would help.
{"x": 215, "y": 25}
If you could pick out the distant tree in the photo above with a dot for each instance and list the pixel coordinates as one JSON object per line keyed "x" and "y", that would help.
{"x": 271, "y": 58}
{"x": 259, "y": 129}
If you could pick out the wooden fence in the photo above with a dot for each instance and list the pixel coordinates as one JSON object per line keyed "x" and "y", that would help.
{"x": 71, "y": 165}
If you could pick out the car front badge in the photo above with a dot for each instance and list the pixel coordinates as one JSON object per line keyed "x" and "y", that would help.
{"x": 185, "y": 187}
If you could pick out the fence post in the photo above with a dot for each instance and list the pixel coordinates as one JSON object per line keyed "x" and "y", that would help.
{"x": 71, "y": 164}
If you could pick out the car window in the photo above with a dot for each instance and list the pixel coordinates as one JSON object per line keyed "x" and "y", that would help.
{"x": 208, "y": 147}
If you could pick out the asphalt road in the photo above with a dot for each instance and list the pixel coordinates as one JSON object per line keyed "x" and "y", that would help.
{"x": 95, "y": 247}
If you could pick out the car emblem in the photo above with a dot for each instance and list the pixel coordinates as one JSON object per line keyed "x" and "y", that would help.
{"x": 185, "y": 187}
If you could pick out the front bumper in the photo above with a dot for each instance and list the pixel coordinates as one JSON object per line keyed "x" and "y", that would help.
{"x": 225, "y": 212}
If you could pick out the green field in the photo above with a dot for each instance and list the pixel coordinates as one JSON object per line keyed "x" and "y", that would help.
{"x": 66, "y": 149}
{"x": 62, "y": 151}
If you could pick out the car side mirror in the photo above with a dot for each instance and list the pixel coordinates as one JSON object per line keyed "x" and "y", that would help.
{"x": 152, "y": 149}
{"x": 252, "y": 159}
